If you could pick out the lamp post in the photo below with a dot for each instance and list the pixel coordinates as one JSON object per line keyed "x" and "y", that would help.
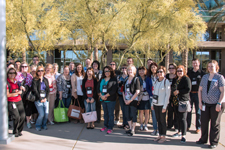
{"x": 4, "y": 136}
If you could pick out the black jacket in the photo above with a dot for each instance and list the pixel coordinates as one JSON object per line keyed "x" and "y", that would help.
{"x": 36, "y": 88}
{"x": 112, "y": 88}
{"x": 135, "y": 85}
{"x": 184, "y": 88}
{"x": 84, "y": 90}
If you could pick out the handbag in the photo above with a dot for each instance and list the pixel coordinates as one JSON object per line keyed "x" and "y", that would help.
{"x": 30, "y": 96}
{"x": 75, "y": 112}
{"x": 60, "y": 114}
{"x": 184, "y": 106}
{"x": 90, "y": 116}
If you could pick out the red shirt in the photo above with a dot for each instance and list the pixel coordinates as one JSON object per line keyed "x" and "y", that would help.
{"x": 13, "y": 86}
{"x": 90, "y": 83}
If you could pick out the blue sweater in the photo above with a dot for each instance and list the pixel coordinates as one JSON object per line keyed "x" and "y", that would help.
{"x": 148, "y": 81}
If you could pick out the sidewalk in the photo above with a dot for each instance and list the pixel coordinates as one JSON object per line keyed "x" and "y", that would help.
{"x": 69, "y": 136}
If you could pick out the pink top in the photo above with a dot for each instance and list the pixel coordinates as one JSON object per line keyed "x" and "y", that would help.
{"x": 20, "y": 77}
{"x": 52, "y": 83}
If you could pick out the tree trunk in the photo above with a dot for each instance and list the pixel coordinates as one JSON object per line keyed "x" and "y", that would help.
{"x": 167, "y": 61}
{"x": 185, "y": 58}
{"x": 95, "y": 53}
{"x": 24, "y": 56}
{"x": 64, "y": 58}
{"x": 109, "y": 56}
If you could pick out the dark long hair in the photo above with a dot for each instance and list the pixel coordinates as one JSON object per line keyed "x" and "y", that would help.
{"x": 112, "y": 73}
{"x": 97, "y": 62}
{"x": 149, "y": 73}
{"x": 93, "y": 75}
{"x": 82, "y": 71}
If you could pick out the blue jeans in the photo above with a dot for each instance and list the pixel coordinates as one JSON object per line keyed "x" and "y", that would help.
{"x": 108, "y": 108}
{"x": 89, "y": 107}
{"x": 67, "y": 101}
{"x": 194, "y": 99}
{"x": 122, "y": 105}
{"x": 43, "y": 110}
{"x": 154, "y": 121}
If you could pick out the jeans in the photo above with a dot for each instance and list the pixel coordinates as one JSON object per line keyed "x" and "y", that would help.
{"x": 43, "y": 110}
{"x": 154, "y": 121}
{"x": 122, "y": 105}
{"x": 108, "y": 108}
{"x": 67, "y": 101}
{"x": 194, "y": 99}
{"x": 89, "y": 107}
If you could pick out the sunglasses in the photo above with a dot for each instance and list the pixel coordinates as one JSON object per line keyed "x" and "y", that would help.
{"x": 112, "y": 64}
{"x": 179, "y": 70}
{"x": 24, "y": 66}
{"x": 171, "y": 68}
{"x": 159, "y": 71}
{"x": 124, "y": 68}
{"x": 107, "y": 71}
{"x": 12, "y": 72}
{"x": 40, "y": 71}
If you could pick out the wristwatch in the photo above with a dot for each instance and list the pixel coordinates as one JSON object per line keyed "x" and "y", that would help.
{"x": 219, "y": 103}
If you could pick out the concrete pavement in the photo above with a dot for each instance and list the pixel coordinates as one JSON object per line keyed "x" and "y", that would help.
{"x": 71, "y": 136}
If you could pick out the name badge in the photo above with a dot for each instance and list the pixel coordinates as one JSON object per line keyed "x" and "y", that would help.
{"x": 68, "y": 86}
{"x": 128, "y": 88}
{"x": 203, "y": 107}
{"x": 214, "y": 80}
{"x": 194, "y": 82}
{"x": 104, "y": 89}
{"x": 42, "y": 94}
{"x": 14, "y": 106}
{"x": 155, "y": 99}
{"x": 89, "y": 90}
{"x": 51, "y": 89}
{"x": 14, "y": 91}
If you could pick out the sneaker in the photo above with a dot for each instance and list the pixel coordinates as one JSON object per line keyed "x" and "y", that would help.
{"x": 128, "y": 131}
{"x": 109, "y": 131}
{"x": 20, "y": 134}
{"x": 146, "y": 128}
{"x": 116, "y": 122}
{"x": 103, "y": 129}
{"x": 155, "y": 132}
{"x": 32, "y": 121}
{"x": 212, "y": 146}
{"x": 45, "y": 128}
{"x": 29, "y": 126}
{"x": 131, "y": 133}
{"x": 200, "y": 142}
{"x": 141, "y": 127}
{"x": 38, "y": 129}
{"x": 176, "y": 135}
{"x": 176, "y": 130}
{"x": 183, "y": 140}
{"x": 51, "y": 122}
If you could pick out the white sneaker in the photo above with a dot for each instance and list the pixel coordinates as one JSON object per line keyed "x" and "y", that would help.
{"x": 146, "y": 128}
{"x": 51, "y": 122}
{"x": 155, "y": 132}
{"x": 116, "y": 122}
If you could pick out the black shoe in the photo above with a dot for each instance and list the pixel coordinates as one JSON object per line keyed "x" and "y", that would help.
{"x": 128, "y": 131}
{"x": 88, "y": 127}
{"x": 10, "y": 126}
{"x": 121, "y": 126}
{"x": 212, "y": 146}
{"x": 183, "y": 140}
{"x": 200, "y": 142}
{"x": 169, "y": 128}
{"x": 131, "y": 133}
{"x": 16, "y": 135}
{"x": 20, "y": 134}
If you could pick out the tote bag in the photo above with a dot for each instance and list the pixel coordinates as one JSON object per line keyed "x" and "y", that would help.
{"x": 60, "y": 114}
{"x": 75, "y": 111}
{"x": 90, "y": 116}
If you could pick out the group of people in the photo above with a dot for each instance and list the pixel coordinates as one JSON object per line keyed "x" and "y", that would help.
{"x": 141, "y": 90}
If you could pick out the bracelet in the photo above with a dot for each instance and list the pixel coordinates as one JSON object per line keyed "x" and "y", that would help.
{"x": 219, "y": 103}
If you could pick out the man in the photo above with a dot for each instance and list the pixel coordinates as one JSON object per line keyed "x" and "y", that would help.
{"x": 88, "y": 64}
{"x": 117, "y": 107}
{"x": 149, "y": 62}
{"x": 72, "y": 68}
{"x": 36, "y": 60}
{"x": 130, "y": 61}
{"x": 195, "y": 75}
{"x": 17, "y": 65}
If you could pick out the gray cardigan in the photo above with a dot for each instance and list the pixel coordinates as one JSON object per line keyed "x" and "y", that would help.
{"x": 62, "y": 86}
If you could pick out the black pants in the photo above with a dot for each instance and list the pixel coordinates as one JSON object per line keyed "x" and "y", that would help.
{"x": 211, "y": 115}
{"x": 172, "y": 117}
{"x": 182, "y": 120}
{"x": 117, "y": 109}
{"x": 161, "y": 120}
{"x": 131, "y": 111}
{"x": 98, "y": 109}
{"x": 18, "y": 116}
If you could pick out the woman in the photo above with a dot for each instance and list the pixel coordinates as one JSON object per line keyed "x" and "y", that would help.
{"x": 161, "y": 95}
{"x": 89, "y": 90}
{"x": 64, "y": 87}
{"x": 151, "y": 78}
{"x": 15, "y": 104}
{"x": 172, "y": 118}
{"x": 25, "y": 80}
{"x": 55, "y": 70}
{"x": 144, "y": 103}
{"x": 182, "y": 93}
{"x": 121, "y": 79}
{"x": 211, "y": 103}
{"x": 33, "y": 69}
{"x": 107, "y": 88}
{"x": 53, "y": 89}
{"x": 98, "y": 74}
{"x": 76, "y": 80}
{"x": 40, "y": 88}
{"x": 130, "y": 97}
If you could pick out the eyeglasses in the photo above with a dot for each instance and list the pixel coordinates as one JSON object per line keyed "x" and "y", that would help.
{"x": 159, "y": 71}
{"x": 179, "y": 70}
{"x": 107, "y": 71}
{"x": 171, "y": 68}
{"x": 40, "y": 71}
{"x": 124, "y": 68}
{"x": 35, "y": 59}
{"x": 12, "y": 72}
{"x": 24, "y": 66}
{"x": 112, "y": 64}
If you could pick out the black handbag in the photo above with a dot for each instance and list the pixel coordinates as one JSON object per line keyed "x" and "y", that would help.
{"x": 30, "y": 96}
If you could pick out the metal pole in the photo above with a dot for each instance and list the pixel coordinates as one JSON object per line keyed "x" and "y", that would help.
{"x": 4, "y": 137}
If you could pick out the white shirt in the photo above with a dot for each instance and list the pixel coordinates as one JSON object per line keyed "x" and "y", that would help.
{"x": 79, "y": 83}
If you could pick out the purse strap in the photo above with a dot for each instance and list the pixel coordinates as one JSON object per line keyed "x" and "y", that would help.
{"x": 76, "y": 99}
{"x": 60, "y": 101}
